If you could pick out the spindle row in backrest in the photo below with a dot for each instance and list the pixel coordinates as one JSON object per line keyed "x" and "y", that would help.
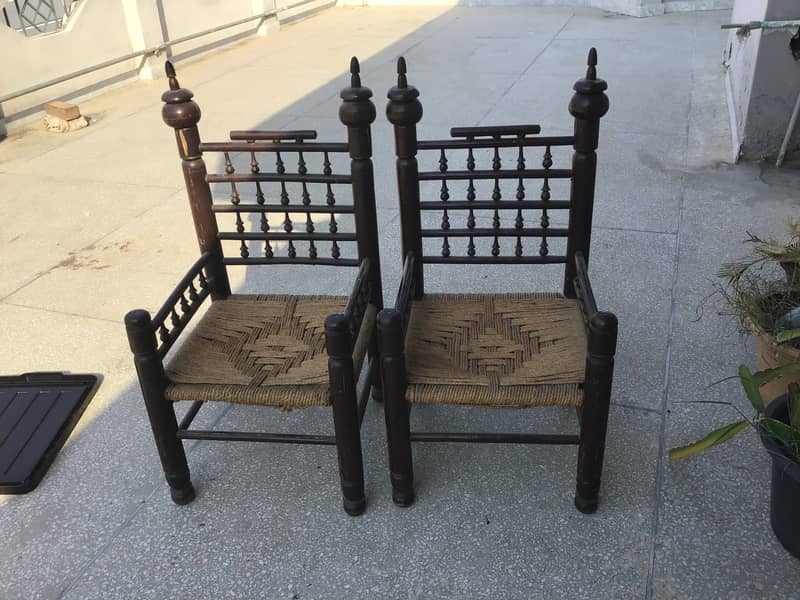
{"x": 278, "y": 161}
{"x": 515, "y": 202}
{"x": 287, "y": 173}
{"x": 404, "y": 111}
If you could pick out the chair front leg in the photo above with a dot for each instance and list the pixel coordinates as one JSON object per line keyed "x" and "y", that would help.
{"x": 396, "y": 408}
{"x": 345, "y": 413}
{"x": 161, "y": 412}
{"x": 596, "y": 402}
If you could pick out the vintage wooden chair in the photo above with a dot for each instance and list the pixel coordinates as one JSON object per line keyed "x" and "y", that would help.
{"x": 497, "y": 350}
{"x": 287, "y": 352}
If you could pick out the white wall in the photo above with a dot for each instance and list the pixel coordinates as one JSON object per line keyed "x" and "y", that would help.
{"x": 763, "y": 79}
{"x": 93, "y": 35}
{"x": 101, "y": 30}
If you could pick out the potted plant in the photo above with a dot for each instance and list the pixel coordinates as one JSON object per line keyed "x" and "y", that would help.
{"x": 762, "y": 291}
{"x": 778, "y": 425}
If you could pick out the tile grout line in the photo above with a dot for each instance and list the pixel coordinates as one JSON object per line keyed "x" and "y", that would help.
{"x": 527, "y": 68}
{"x": 59, "y": 312}
{"x": 380, "y": 64}
{"x": 635, "y": 230}
{"x": 38, "y": 276}
{"x": 659, "y": 478}
{"x": 644, "y": 409}
{"x": 129, "y": 519}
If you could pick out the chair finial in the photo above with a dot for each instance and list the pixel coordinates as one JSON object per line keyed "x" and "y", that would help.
{"x": 173, "y": 80}
{"x": 591, "y": 70}
{"x": 355, "y": 69}
{"x": 402, "y": 81}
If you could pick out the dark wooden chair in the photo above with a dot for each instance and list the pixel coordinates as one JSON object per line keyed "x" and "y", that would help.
{"x": 286, "y": 352}
{"x": 497, "y": 350}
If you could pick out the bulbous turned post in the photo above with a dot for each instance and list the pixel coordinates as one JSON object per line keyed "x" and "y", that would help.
{"x": 183, "y": 114}
{"x": 588, "y": 105}
{"x": 357, "y": 112}
{"x": 404, "y": 111}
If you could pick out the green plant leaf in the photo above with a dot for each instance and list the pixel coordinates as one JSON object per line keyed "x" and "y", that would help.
{"x": 784, "y": 434}
{"x": 716, "y": 437}
{"x": 751, "y": 388}
{"x": 787, "y": 335}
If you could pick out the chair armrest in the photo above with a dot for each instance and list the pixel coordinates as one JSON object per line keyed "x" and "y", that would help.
{"x": 359, "y": 315}
{"x": 181, "y": 305}
{"x": 360, "y": 297}
{"x": 601, "y": 326}
{"x": 583, "y": 289}
{"x": 405, "y": 294}
{"x": 393, "y": 322}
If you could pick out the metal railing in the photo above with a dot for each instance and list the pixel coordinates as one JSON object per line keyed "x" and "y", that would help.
{"x": 34, "y": 17}
{"x": 154, "y": 50}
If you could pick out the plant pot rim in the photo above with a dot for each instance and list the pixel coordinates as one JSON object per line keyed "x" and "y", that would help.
{"x": 770, "y": 339}
{"x": 773, "y": 449}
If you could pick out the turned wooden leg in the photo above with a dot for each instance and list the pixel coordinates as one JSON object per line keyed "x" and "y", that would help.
{"x": 161, "y": 412}
{"x": 345, "y": 413}
{"x": 596, "y": 402}
{"x": 396, "y": 409}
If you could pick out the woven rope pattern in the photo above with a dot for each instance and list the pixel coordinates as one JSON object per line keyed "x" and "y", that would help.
{"x": 514, "y": 350}
{"x": 265, "y": 350}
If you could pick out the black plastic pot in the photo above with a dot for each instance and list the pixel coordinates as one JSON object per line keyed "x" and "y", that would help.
{"x": 784, "y": 508}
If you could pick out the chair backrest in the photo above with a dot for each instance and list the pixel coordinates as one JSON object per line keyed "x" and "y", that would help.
{"x": 496, "y": 189}
{"x": 281, "y": 197}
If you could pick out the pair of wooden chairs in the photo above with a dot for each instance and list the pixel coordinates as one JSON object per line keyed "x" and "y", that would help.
{"x": 292, "y": 352}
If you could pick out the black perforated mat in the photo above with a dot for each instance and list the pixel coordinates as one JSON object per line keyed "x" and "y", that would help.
{"x": 37, "y": 413}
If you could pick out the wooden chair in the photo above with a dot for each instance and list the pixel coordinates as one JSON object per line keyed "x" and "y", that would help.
{"x": 286, "y": 352}
{"x": 497, "y": 350}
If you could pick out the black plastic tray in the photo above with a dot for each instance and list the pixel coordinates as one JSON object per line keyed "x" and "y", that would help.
{"x": 37, "y": 413}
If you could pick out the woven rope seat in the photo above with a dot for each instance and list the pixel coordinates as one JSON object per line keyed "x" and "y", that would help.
{"x": 506, "y": 350}
{"x": 264, "y": 350}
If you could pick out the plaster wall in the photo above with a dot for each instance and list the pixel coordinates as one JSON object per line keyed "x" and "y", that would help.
{"x": 102, "y": 30}
{"x": 763, "y": 79}
{"x": 93, "y": 34}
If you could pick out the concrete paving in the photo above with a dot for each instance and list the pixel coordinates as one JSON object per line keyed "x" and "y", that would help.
{"x": 96, "y": 223}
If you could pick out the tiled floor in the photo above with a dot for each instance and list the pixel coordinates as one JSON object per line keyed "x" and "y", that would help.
{"x": 96, "y": 223}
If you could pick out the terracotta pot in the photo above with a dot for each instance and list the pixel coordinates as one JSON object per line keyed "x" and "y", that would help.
{"x": 770, "y": 355}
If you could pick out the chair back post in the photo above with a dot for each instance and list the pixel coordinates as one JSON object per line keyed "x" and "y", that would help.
{"x": 404, "y": 111}
{"x": 588, "y": 105}
{"x": 357, "y": 112}
{"x": 182, "y": 114}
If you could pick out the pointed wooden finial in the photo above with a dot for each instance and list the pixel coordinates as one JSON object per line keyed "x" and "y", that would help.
{"x": 591, "y": 70}
{"x": 173, "y": 80}
{"x": 402, "y": 82}
{"x": 355, "y": 69}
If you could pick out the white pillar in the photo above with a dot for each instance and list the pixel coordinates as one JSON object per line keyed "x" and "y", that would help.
{"x": 145, "y": 31}
{"x": 269, "y": 24}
